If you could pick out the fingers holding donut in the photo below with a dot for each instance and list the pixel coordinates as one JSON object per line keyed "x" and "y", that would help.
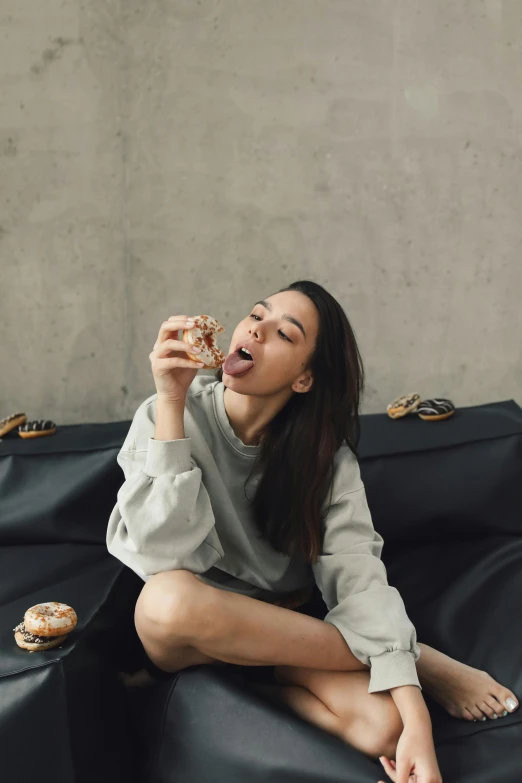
{"x": 173, "y": 371}
{"x": 175, "y": 362}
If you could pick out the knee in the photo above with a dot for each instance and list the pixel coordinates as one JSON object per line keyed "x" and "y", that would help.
{"x": 166, "y": 601}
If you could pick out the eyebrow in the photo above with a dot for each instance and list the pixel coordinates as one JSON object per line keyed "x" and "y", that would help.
{"x": 285, "y": 316}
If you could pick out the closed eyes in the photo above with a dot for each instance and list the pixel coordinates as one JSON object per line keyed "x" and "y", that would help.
{"x": 253, "y": 315}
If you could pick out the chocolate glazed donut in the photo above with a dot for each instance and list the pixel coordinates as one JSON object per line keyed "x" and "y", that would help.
{"x": 37, "y": 428}
{"x": 435, "y": 409}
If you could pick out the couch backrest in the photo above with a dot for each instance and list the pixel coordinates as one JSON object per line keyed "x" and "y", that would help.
{"x": 455, "y": 478}
{"x": 461, "y": 477}
{"x": 60, "y": 487}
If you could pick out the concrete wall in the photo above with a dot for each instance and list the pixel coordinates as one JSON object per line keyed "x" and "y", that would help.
{"x": 193, "y": 156}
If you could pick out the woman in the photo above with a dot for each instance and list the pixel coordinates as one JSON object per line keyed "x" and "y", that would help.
{"x": 225, "y": 572}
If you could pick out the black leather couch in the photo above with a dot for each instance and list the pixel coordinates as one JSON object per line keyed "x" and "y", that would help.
{"x": 447, "y": 498}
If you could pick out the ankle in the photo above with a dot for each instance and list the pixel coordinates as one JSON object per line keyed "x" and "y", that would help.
{"x": 433, "y": 665}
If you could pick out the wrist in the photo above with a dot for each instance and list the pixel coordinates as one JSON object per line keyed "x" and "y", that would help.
{"x": 417, "y": 722}
{"x": 175, "y": 402}
{"x": 170, "y": 419}
{"x": 421, "y": 727}
{"x": 412, "y": 708}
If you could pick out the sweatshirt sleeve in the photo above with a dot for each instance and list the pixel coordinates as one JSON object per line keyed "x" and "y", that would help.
{"x": 368, "y": 612}
{"x": 163, "y": 519}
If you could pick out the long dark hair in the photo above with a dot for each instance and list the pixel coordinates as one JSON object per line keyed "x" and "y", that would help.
{"x": 297, "y": 447}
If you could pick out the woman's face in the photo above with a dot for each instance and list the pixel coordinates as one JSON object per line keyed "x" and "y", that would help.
{"x": 281, "y": 336}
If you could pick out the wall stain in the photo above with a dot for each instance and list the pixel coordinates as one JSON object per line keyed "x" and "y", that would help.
{"x": 50, "y": 55}
{"x": 10, "y": 149}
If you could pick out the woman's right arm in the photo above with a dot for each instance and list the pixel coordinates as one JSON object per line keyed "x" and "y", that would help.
{"x": 163, "y": 519}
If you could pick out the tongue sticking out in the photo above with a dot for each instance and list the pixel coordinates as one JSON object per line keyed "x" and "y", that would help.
{"x": 235, "y": 365}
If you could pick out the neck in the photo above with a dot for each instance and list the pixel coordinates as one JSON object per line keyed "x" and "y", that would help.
{"x": 248, "y": 415}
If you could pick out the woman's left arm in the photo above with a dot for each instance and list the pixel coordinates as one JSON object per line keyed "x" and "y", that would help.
{"x": 411, "y": 705}
{"x": 415, "y": 749}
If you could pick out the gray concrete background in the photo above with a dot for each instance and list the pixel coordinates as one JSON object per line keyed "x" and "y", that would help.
{"x": 191, "y": 157}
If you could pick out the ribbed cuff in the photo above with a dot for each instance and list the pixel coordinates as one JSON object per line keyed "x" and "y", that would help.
{"x": 167, "y": 456}
{"x": 392, "y": 669}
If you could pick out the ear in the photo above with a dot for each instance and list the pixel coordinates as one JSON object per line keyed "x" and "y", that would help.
{"x": 303, "y": 384}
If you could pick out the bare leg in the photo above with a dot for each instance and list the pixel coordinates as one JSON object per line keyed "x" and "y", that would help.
{"x": 305, "y": 704}
{"x": 369, "y": 722}
{"x": 234, "y": 628}
{"x": 278, "y": 636}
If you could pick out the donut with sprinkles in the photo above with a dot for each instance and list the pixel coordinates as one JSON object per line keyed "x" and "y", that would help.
{"x": 204, "y": 336}
{"x": 10, "y": 422}
{"x": 403, "y": 405}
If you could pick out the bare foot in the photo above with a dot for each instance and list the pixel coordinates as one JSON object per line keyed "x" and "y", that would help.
{"x": 142, "y": 677}
{"x": 464, "y": 692}
{"x": 272, "y": 691}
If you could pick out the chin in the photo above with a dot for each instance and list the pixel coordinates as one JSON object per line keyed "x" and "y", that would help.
{"x": 226, "y": 379}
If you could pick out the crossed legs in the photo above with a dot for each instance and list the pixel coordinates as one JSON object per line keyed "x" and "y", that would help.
{"x": 183, "y": 622}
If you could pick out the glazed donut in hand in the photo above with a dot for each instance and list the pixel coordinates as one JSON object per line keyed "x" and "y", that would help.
{"x": 203, "y": 335}
{"x": 45, "y": 625}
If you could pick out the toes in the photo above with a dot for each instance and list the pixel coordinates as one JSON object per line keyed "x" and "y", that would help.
{"x": 142, "y": 677}
{"x": 280, "y": 676}
{"x": 467, "y": 715}
{"x": 505, "y": 698}
{"x": 288, "y": 675}
{"x": 510, "y": 701}
{"x": 476, "y": 712}
{"x": 497, "y": 707}
{"x": 488, "y": 712}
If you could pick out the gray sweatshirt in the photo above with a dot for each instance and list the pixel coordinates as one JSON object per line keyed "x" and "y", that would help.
{"x": 182, "y": 506}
